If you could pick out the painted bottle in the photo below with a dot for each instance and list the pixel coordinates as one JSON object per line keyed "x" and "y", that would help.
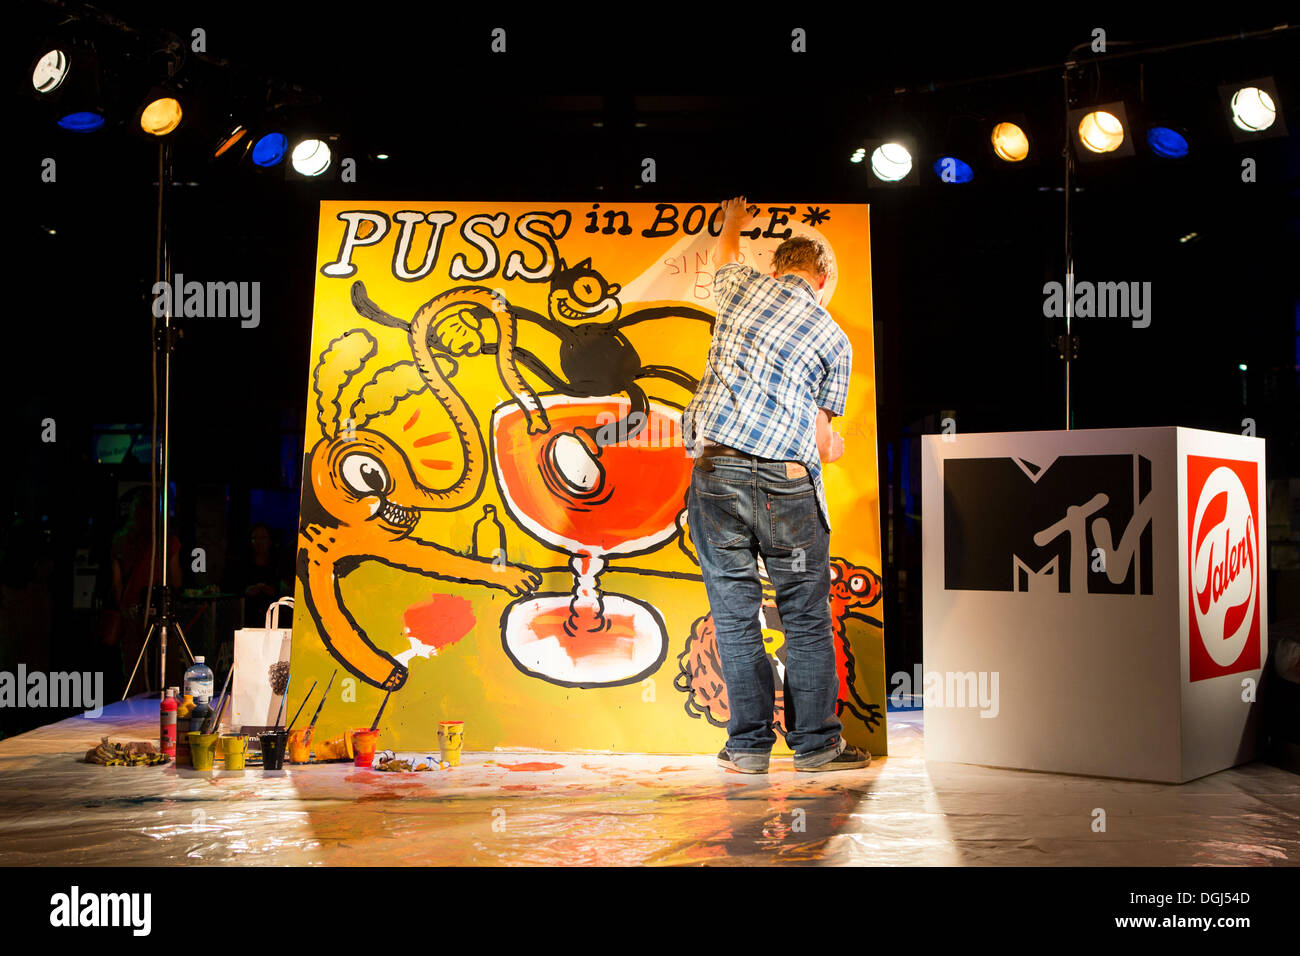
{"x": 489, "y": 536}
{"x": 198, "y": 715}
{"x": 183, "y": 711}
{"x": 167, "y": 734}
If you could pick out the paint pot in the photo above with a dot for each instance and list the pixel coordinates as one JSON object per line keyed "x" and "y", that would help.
{"x": 300, "y": 745}
{"x": 235, "y": 749}
{"x": 273, "y": 749}
{"x": 363, "y": 740}
{"x": 202, "y": 749}
{"x": 337, "y": 748}
{"x": 451, "y": 736}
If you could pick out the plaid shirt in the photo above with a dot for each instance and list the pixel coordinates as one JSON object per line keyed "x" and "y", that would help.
{"x": 776, "y": 357}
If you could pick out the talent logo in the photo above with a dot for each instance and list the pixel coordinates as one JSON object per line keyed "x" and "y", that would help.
{"x": 1223, "y": 564}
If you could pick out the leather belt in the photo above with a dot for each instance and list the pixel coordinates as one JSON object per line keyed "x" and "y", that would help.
{"x": 710, "y": 451}
{"x": 793, "y": 469}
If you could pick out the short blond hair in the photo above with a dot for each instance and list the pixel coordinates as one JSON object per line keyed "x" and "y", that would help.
{"x": 804, "y": 253}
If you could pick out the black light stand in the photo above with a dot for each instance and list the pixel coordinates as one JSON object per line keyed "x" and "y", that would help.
{"x": 1068, "y": 344}
{"x": 165, "y": 342}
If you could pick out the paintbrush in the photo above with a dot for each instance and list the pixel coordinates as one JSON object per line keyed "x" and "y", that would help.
{"x": 381, "y": 710}
{"x": 283, "y": 697}
{"x": 300, "y": 707}
{"x": 214, "y": 721}
{"x": 216, "y": 716}
{"x": 324, "y": 694}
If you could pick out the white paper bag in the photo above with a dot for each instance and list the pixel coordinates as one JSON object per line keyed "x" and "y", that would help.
{"x": 260, "y": 653}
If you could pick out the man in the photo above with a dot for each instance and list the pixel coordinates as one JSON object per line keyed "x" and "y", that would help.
{"x": 759, "y": 428}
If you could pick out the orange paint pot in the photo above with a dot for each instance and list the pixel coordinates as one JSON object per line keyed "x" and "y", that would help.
{"x": 300, "y": 745}
{"x": 337, "y": 748}
{"x": 363, "y": 743}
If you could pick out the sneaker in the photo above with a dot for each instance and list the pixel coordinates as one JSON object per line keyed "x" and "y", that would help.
{"x": 744, "y": 763}
{"x": 851, "y": 758}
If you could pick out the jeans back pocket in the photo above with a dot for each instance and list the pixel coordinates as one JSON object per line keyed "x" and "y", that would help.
{"x": 717, "y": 513}
{"x": 794, "y": 516}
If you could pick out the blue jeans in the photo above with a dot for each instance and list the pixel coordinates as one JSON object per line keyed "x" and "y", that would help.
{"x": 739, "y": 508}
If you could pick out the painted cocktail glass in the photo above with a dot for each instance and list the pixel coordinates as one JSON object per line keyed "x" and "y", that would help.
{"x": 623, "y": 498}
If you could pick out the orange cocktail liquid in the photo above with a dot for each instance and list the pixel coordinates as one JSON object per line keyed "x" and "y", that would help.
{"x": 646, "y": 478}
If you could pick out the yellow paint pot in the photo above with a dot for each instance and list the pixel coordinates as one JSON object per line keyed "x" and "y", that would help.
{"x": 235, "y": 748}
{"x": 451, "y": 737}
{"x": 202, "y": 749}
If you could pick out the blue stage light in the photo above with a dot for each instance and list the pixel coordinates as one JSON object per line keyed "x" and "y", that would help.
{"x": 83, "y": 122}
{"x": 270, "y": 149}
{"x": 1167, "y": 142}
{"x": 950, "y": 169}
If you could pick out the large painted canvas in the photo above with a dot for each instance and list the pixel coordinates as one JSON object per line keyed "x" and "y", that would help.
{"x": 493, "y": 524}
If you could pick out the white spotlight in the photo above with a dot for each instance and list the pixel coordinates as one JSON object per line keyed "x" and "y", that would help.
{"x": 311, "y": 157}
{"x": 891, "y": 162}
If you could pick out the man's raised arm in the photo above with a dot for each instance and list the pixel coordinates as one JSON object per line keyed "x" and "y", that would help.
{"x": 735, "y": 217}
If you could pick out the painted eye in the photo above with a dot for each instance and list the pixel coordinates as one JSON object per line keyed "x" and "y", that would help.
{"x": 835, "y": 573}
{"x": 587, "y": 291}
{"x": 857, "y": 584}
{"x": 364, "y": 474}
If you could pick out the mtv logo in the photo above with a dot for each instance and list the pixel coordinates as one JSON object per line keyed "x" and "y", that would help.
{"x": 1011, "y": 524}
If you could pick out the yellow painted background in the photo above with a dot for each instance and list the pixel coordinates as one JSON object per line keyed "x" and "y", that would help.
{"x": 473, "y": 680}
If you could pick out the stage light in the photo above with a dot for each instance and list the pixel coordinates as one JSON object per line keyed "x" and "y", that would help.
{"x": 950, "y": 169}
{"x": 381, "y": 156}
{"x": 311, "y": 157}
{"x": 891, "y": 162}
{"x": 82, "y": 122}
{"x": 1010, "y": 142}
{"x": 235, "y": 135}
{"x": 161, "y": 116}
{"x": 1101, "y": 132}
{"x": 1253, "y": 110}
{"x": 270, "y": 149}
{"x": 1167, "y": 142}
{"x": 859, "y": 155}
{"x": 1242, "y": 367}
{"x": 49, "y": 72}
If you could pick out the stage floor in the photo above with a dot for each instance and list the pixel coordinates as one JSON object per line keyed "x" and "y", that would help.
{"x": 592, "y": 809}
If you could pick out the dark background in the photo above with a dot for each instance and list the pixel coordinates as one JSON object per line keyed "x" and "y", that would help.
{"x": 567, "y": 114}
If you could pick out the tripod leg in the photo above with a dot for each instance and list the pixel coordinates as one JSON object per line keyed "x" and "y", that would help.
{"x": 143, "y": 647}
{"x": 185, "y": 644}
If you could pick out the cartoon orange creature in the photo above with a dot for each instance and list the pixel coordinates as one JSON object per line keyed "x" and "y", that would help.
{"x": 700, "y": 677}
{"x": 361, "y": 498}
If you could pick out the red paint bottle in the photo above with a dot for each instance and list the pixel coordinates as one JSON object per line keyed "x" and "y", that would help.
{"x": 167, "y": 737}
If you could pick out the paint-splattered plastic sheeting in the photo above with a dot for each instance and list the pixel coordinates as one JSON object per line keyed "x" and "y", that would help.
{"x": 518, "y": 809}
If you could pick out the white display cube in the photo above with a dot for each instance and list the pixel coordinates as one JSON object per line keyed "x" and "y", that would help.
{"x": 1095, "y": 601}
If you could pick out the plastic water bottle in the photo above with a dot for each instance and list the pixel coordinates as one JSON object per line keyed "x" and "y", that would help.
{"x": 199, "y": 681}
